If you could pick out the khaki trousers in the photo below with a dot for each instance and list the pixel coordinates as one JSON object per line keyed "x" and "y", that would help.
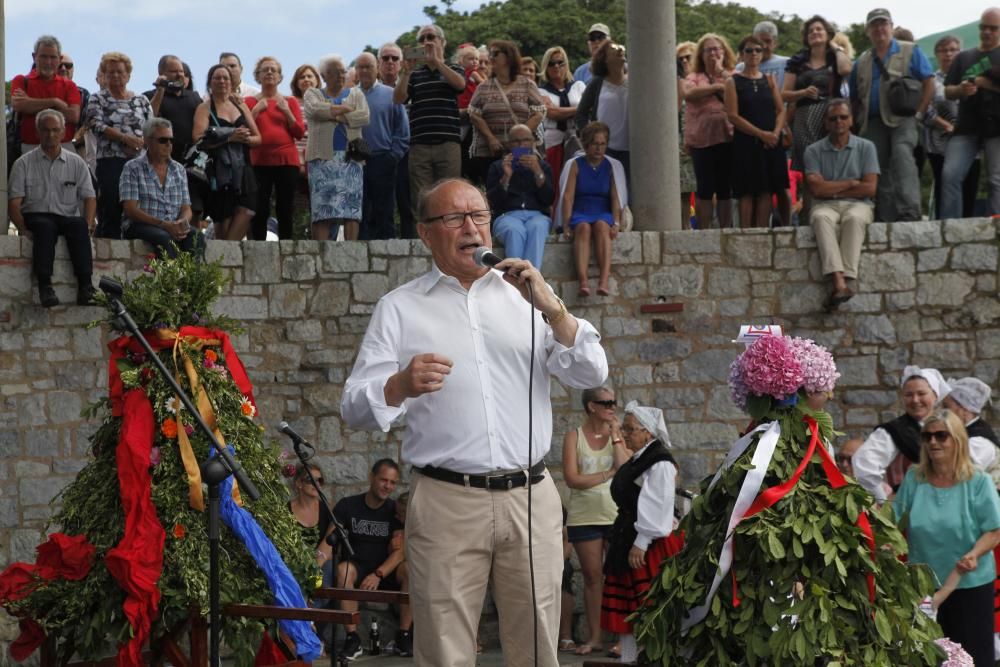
{"x": 840, "y": 231}
{"x": 459, "y": 539}
{"x": 428, "y": 164}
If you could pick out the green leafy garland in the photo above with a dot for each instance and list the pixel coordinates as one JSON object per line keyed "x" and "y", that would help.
{"x": 800, "y": 568}
{"x": 85, "y": 617}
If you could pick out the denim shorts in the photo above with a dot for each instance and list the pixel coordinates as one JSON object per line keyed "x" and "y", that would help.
{"x": 587, "y": 533}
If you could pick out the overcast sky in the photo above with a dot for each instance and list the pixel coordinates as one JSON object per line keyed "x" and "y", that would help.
{"x": 301, "y": 31}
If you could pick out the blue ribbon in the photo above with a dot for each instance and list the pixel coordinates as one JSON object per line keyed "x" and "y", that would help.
{"x": 287, "y": 592}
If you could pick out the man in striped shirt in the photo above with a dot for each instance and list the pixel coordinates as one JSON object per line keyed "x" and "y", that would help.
{"x": 432, "y": 87}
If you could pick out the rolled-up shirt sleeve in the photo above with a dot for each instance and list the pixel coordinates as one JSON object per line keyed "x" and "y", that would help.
{"x": 871, "y": 460}
{"x": 656, "y": 504}
{"x": 582, "y": 366}
{"x": 363, "y": 405}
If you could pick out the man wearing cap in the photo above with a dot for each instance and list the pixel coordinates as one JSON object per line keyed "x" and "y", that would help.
{"x": 894, "y": 136}
{"x": 596, "y": 36}
{"x": 966, "y": 399}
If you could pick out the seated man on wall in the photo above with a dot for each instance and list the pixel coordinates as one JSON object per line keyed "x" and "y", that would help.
{"x": 371, "y": 523}
{"x": 520, "y": 190}
{"x": 47, "y": 187}
{"x": 842, "y": 174}
{"x": 154, "y": 194}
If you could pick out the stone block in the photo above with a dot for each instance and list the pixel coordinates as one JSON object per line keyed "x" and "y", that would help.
{"x": 941, "y": 354}
{"x": 863, "y": 303}
{"x": 969, "y": 231}
{"x": 908, "y": 327}
{"x": 874, "y": 329}
{"x": 329, "y": 436}
{"x": 685, "y": 280}
{"x": 15, "y": 280}
{"x": 31, "y": 410}
{"x": 861, "y": 371}
{"x": 932, "y": 260}
{"x": 733, "y": 307}
{"x": 369, "y": 288}
{"x": 322, "y": 398}
{"x": 23, "y": 542}
{"x": 404, "y": 269}
{"x": 869, "y": 397}
{"x": 986, "y": 283}
{"x": 791, "y": 258}
{"x": 627, "y": 249}
{"x": 708, "y": 366}
{"x": 687, "y": 397}
{"x": 974, "y": 257}
{"x": 749, "y": 249}
{"x": 262, "y": 262}
{"x": 287, "y": 301}
{"x": 918, "y": 234}
{"x": 944, "y": 289}
{"x": 330, "y": 299}
{"x": 655, "y": 350}
{"x": 706, "y": 434}
{"x": 988, "y": 343}
{"x": 304, "y": 330}
{"x": 861, "y": 417}
{"x": 700, "y": 242}
{"x": 379, "y": 264}
{"x": 623, "y": 326}
{"x": 805, "y": 237}
{"x": 798, "y": 298}
{"x": 728, "y": 282}
{"x": 879, "y": 232}
{"x": 651, "y": 243}
{"x": 298, "y": 267}
{"x": 637, "y": 375}
{"x": 87, "y": 344}
{"x": 887, "y": 272}
{"x": 31, "y": 469}
{"x": 64, "y": 407}
{"x": 900, "y": 300}
{"x": 347, "y": 257}
{"x": 31, "y": 492}
{"x": 227, "y": 253}
{"x": 241, "y": 307}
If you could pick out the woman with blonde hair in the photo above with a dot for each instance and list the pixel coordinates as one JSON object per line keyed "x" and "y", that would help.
{"x": 561, "y": 95}
{"x": 952, "y": 516}
{"x": 708, "y": 134}
{"x": 116, "y": 116}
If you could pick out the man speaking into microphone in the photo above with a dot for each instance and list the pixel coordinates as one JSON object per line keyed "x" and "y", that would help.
{"x": 452, "y": 352}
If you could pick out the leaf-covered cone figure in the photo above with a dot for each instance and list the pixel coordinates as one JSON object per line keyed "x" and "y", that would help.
{"x": 129, "y": 560}
{"x": 812, "y": 573}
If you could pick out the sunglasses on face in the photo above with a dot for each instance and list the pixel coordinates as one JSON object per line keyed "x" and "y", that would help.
{"x": 556, "y": 63}
{"x": 387, "y": 59}
{"x": 937, "y": 436}
{"x": 987, "y": 26}
{"x": 610, "y": 403}
{"x": 164, "y": 140}
{"x": 65, "y": 65}
{"x": 596, "y": 37}
{"x": 685, "y": 58}
{"x": 753, "y": 49}
{"x": 426, "y": 38}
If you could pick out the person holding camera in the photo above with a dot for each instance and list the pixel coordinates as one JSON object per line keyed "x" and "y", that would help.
{"x": 520, "y": 191}
{"x": 974, "y": 80}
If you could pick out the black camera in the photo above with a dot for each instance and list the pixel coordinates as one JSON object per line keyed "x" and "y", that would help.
{"x": 171, "y": 86}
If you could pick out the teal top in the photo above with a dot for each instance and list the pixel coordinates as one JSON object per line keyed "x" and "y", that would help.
{"x": 944, "y": 524}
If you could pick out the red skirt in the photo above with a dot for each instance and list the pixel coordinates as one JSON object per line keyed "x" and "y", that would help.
{"x": 624, "y": 593}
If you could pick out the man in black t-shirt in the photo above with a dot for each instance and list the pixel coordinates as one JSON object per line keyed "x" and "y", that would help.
{"x": 370, "y": 521}
{"x": 974, "y": 80}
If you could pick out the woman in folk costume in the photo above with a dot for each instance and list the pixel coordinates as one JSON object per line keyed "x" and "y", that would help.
{"x": 642, "y": 535}
{"x": 881, "y": 462}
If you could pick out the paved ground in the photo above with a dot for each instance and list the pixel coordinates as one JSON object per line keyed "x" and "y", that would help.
{"x": 491, "y": 658}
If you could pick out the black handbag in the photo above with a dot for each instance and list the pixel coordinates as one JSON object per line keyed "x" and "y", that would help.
{"x": 904, "y": 92}
{"x": 358, "y": 150}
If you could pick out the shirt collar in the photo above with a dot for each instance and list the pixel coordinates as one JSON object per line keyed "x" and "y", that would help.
{"x": 644, "y": 448}
{"x": 435, "y": 276}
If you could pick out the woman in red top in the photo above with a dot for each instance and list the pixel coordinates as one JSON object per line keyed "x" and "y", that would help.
{"x": 276, "y": 160}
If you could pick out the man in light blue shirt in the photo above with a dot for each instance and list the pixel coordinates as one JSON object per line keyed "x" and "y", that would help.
{"x": 596, "y": 36}
{"x": 388, "y": 137}
{"x": 771, "y": 63}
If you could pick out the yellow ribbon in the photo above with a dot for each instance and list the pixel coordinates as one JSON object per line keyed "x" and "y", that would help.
{"x": 195, "y": 495}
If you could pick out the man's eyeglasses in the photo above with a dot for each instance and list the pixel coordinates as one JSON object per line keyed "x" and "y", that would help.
{"x": 556, "y": 63}
{"x": 936, "y": 436}
{"x": 753, "y": 49}
{"x": 840, "y": 116}
{"x": 392, "y": 59}
{"x": 429, "y": 37}
{"x": 164, "y": 140}
{"x": 606, "y": 404}
{"x": 457, "y": 219}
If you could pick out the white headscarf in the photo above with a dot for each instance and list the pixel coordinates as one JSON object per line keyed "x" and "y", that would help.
{"x": 651, "y": 419}
{"x": 933, "y": 377}
{"x": 971, "y": 393}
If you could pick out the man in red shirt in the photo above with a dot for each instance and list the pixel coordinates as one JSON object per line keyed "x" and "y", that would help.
{"x": 43, "y": 88}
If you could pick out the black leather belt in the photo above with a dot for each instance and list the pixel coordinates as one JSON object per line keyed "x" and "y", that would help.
{"x": 504, "y": 482}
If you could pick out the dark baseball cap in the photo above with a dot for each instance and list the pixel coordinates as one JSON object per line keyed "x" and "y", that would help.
{"x": 878, "y": 14}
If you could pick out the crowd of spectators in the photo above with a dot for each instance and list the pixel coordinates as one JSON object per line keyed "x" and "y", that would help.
{"x": 357, "y": 140}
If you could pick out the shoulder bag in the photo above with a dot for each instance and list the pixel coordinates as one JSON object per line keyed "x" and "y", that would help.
{"x": 904, "y": 91}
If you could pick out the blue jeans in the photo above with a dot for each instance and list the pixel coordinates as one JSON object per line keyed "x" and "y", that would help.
{"x": 378, "y": 198}
{"x": 958, "y": 156}
{"x": 523, "y": 234}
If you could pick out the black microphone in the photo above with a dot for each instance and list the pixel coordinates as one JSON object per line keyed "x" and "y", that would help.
{"x": 297, "y": 440}
{"x": 484, "y": 256}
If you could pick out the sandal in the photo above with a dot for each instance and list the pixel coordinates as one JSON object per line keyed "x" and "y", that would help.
{"x": 567, "y": 645}
{"x": 615, "y": 652}
{"x": 586, "y": 649}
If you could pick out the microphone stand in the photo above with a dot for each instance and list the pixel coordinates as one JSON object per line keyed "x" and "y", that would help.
{"x": 343, "y": 542}
{"x": 214, "y": 470}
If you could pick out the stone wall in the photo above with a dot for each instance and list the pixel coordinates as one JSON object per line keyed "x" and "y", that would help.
{"x": 927, "y": 295}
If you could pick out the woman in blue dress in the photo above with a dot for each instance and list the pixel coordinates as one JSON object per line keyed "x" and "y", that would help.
{"x": 335, "y": 114}
{"x": 593, "y": 198}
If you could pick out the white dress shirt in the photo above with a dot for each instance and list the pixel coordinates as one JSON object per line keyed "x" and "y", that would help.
{"x": 878, "y": 451}
{"x": 655, "y": 513}
{"x": 478, "y": 421}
